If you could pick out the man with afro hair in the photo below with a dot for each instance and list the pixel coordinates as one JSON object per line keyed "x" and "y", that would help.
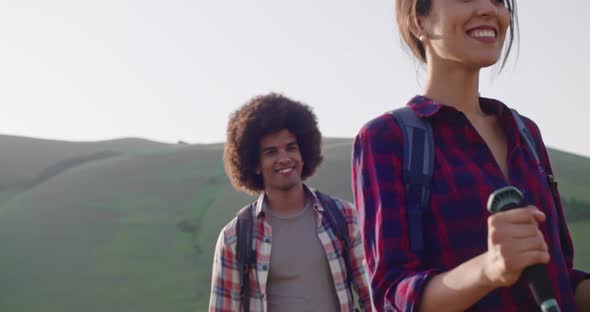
{"x": 299, "y": 262}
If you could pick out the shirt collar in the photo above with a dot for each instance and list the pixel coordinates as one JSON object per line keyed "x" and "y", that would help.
{"x": 425, "y": 107}
{"x": 261, "y": 201}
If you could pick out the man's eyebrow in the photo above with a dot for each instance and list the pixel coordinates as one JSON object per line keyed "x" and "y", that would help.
{"x": 268, "y": 148}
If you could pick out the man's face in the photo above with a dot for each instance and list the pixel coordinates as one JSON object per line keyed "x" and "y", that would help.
{"x": 280, "y": 161}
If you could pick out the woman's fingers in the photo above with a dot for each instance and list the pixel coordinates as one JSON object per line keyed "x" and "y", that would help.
{"x": 515, "y": 243}
{"x": 529, "y": 214}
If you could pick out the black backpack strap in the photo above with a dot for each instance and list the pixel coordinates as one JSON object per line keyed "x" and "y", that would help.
{"x": 339, "y": 226}
{"x": 418, "y": 167}
{"x": 534, "y": 148}
{"x": 526, "y": 135}
{"x": 245, "y": 254}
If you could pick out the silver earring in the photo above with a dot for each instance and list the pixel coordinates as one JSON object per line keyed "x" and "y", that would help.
{"x": 421, "y": 38}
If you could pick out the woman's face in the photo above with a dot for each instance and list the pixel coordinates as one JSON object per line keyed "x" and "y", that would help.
{"x": 468, "y": 32}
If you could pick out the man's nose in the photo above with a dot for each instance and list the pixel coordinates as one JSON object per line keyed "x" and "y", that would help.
{"x": 284, "y": 157}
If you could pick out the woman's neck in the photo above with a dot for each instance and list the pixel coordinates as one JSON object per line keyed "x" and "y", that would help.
{"x": 454, "y": 86}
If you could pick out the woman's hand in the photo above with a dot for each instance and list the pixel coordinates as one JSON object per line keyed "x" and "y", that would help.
{"x": 514, "y": 243}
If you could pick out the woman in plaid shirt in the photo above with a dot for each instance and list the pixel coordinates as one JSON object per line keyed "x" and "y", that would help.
{"x": 471, "y": 260}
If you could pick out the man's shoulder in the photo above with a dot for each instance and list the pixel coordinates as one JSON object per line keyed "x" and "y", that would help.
{"x": 229, "y": 232}
{"x": 342, "y": 203}
{"x": 228, "y": 235}
{"x": 344, "y": 206}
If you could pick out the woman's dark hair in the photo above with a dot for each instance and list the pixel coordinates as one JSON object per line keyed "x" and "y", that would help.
{"x": 263, "y": 115}
{"x": 408, "y": 12}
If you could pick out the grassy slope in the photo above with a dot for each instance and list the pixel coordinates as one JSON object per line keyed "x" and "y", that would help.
{"x": 104, "y": 236}
{"x": 573, "y": 172}
{"x": 24, "y": 158}
{"x": 580, "y": 232}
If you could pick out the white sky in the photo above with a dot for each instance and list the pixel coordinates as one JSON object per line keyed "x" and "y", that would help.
{"x": 172, "y": 70}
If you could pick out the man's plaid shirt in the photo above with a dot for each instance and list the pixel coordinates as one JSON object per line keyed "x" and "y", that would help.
{"x": 225, "y": 281}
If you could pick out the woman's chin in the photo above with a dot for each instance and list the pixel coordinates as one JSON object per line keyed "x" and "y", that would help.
{"x": 484, "y": 62}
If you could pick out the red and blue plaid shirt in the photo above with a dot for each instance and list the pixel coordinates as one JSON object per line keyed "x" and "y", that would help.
{"x": 455, "y": 222}
{"x": 225, "y": 279}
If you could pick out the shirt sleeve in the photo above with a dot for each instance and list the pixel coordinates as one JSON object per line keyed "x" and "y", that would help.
{"x": 576, "y": 276}
{"x": 356, "y": 256}
{"x": 225, "y": 278}
{"x": 397, "y": 275}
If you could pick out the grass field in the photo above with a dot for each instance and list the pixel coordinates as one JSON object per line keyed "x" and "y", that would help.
{"x": 580, "y": 232}
{"x": 105, "y": 235}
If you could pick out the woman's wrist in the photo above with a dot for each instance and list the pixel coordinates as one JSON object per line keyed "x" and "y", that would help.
{"x": 484, "y": 277}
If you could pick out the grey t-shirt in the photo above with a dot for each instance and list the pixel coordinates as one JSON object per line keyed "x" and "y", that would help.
{"x": 299, "y": 277}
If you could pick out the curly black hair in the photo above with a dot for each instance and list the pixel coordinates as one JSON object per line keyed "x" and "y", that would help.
{"x": 260, "y": 116}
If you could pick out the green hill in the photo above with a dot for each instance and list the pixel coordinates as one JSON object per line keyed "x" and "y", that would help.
{"x": 27, "y": 161}
{"x": 572, "y": 172}
{"x": 113, "y": 226}
{"x": 134, "y": 230}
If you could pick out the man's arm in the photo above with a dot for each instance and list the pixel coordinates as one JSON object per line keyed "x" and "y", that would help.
{"x": 357, "y": 257}
{"x": 225, "y": 277}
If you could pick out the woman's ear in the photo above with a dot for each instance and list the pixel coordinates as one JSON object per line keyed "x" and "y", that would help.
{"x": 416, "y": 27}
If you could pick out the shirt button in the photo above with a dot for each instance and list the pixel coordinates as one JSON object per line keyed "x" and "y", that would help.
{"x": 264, "y": 267}
{"x": 267, "y": 240}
